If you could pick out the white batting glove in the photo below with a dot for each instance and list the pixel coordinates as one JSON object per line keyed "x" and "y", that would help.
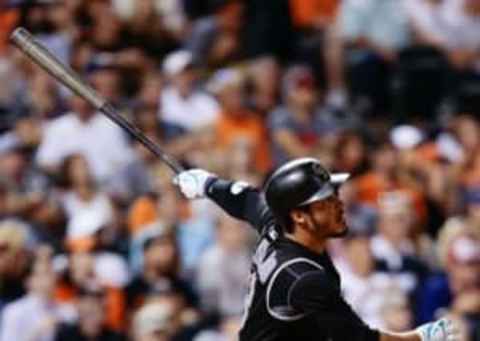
{"x": 192, "y": 182}
{"x": 441, "y": 330}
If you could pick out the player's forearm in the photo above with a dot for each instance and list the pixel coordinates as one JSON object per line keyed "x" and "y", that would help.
{"x": 408, "y": 336}
{"x": 227, "y": 197}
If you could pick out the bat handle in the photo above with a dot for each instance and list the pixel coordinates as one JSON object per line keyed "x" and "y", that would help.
{"x": 110, "y": 111}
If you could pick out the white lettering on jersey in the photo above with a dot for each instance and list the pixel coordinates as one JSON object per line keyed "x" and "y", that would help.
{"x": 264, "y": 268}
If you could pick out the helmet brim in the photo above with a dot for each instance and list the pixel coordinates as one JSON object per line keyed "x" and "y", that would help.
{"x": 336, "y": 180}
{"x": 339, "y": 178}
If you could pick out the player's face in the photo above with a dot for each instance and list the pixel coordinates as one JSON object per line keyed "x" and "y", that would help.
{"x": 328, "y": 217}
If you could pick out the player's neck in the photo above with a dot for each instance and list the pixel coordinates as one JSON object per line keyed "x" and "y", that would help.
{"x": 308, "y": 240}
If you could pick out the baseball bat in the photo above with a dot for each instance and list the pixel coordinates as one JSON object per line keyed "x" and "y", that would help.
{"x": 41, "y": 56}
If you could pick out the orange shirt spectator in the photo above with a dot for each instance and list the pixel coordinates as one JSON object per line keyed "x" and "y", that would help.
{"x": 147, "y": 210}
{"x": 142, "y": 212}
{"x": 309, "y": 13}
{"x": 370, "y": 186}
{"x": 8, "y": 20}
{"x": 237, "y": 122}
{"x": 115, "y": 302}
{"x": 247, "y": 126}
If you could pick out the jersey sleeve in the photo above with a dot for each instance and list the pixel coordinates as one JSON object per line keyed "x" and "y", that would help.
{"x": 241, "y": 201}
{"x": 312, "y": 294}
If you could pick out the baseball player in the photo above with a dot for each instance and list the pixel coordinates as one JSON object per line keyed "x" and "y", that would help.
{"x": 294, "y": 289}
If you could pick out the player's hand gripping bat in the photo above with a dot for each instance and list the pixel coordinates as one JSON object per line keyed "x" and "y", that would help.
{"x": 39, "y": 54}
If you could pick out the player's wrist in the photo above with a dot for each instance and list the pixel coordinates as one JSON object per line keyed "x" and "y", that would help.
{"x": 209, "y": 183}
{"x": 413, "y": 335}
{"x": 193, "y": 182}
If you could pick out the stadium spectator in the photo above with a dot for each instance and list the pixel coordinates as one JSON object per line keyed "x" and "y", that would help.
{"x": 237, "y": 124}
{"x": 438, "y": 23}
{"x": 181, "y": 103}
{"x": 392, "y": 246}
{"x": 364, "y": 286}
{"x": 371, "y": 34}
{"x": 214, "y": 40}
{"x": 87, "y": 209}
{"x": 228, "y": 259}
{"x": 36, "y": 315}
{"x": 84, "y": 271}
{"x": 458, "y": 254}
{"x": 153, "y": 322}
{"x": 78, "y": 132}
{"x": 16, "y": 245}
{"x": 264, "y": 75}
{"x": 91, "y": 306}
{"x": 297, "y": 127}
{"x": 160, "y": 271}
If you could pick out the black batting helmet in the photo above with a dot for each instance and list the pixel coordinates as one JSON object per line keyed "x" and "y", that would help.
{"x": 299, "y": 183}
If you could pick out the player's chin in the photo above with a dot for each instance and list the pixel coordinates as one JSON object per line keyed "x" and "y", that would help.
{"x": 341, "y": 231}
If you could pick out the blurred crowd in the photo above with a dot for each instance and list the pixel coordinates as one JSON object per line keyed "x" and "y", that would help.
{"x": 96, "y": 243}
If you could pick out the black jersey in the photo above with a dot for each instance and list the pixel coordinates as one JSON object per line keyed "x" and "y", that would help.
{"x": 294, "y": 293}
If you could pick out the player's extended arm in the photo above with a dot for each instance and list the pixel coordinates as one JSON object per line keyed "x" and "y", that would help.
{"x": 237, "y": 198}
{"x": 312, "y": 293}
{"x": 441, "y": 330}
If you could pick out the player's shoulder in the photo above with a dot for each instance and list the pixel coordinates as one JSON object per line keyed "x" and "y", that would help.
{"x": 283, "y": 280}
{"x": 292, "y": 266}
{"x": 295, "y": 256}
{"x": 299, "y": 265}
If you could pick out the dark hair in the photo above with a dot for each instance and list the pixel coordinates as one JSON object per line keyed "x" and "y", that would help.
{"x": 174, "y": 267}
{"x": 218, "y": 5}
{"x": 63, "y": 176}
{"x": 91, "y": 291}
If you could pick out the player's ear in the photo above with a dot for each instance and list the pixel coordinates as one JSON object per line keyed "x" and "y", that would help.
{"x": 299, "y": 218}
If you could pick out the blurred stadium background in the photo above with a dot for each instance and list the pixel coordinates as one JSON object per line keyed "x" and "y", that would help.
{"x": 97, "y": 244}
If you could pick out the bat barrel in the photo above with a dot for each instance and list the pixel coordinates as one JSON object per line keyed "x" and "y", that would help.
{"x": 27, "y": 43}
{"x": 65, "y": 75}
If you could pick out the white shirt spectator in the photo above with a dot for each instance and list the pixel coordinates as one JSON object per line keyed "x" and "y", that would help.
{"x": 111, "y": 270}
{"x": 103, "y": 144}
{"x": 195, "y": 111}
{"x": 383, "y": 22}
{"x": 171, "y": 12}
{"x": 382, "y": 249}
{"x": 446, "y": 22}
{"x": 222, "y": 280}
{"x": 32, "y": 318}
{"x": 365, "y": 294}
{"x": 86, "y": 217}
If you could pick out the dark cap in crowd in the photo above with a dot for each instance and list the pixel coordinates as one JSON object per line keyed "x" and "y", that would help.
{"x": 298, "y": 76}
{"x": 217, "y": 5}
{"x": 99, "y": 62}
{"x": 91, "y": 290}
